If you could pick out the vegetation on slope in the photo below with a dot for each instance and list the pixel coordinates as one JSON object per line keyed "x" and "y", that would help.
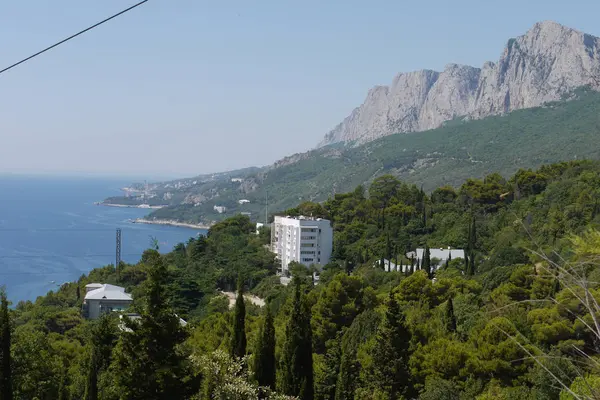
{"x": 559, "y": 131}
{"x": 499, "y": 327}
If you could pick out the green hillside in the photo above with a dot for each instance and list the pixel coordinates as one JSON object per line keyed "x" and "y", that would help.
{"x": 559, "y": 131}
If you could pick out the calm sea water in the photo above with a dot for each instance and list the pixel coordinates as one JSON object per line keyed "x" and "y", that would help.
{"x": 51, "y": 232}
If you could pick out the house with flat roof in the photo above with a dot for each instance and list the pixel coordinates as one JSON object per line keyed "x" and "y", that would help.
{"x": 441, "y": 255}
{"x": 102, "y": 298}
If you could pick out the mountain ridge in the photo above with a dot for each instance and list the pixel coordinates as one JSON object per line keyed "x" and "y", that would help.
{"x": 537, "y": 67}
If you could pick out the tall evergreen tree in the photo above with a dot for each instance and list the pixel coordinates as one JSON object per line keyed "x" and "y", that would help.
{"x": 238, "y": 339}
{"x": 6, "y": 392}
{"x": 427, "y": 261}
{"x": 390, "y": 373}
{"x": 149, "y": 356}
{"x": 449, "y": 318}
{"x": 103, "y": 337}
{"x": 264, "y": 358}
{"x": 471, "y": 265}
{"x": 297, "y": 363}
{"x": 325, "y": 386}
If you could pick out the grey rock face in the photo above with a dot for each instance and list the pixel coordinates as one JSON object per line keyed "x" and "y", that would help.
{"x": 540, "y": 66}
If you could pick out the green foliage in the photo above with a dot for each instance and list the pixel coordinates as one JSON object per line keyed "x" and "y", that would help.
{"x": 151, "y": 347}
{"x": 490, "y": 326}
{"x": 6, "y": 389}
{"x": 238, "y": 339}
{"x": 297, "y": 361}
{"x": 264, "y": 356}
{"x": 389, "y": 372}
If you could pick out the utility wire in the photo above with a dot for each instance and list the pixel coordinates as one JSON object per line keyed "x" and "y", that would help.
{"x": 72, "y": 36}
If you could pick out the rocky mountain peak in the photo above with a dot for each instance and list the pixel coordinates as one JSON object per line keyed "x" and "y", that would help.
{"x": 546, "y": 62}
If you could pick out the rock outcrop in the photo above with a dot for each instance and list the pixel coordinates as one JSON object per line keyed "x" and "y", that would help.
{"x": 540, "y": 66}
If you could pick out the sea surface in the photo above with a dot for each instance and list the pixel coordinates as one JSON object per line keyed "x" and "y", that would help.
{"x": 51, "y": 232}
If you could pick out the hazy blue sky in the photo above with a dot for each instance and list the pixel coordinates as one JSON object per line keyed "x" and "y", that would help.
{"x": 178, "y": 87}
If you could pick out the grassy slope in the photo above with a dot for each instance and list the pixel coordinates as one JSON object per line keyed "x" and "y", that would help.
{"x": 529, "y": 138}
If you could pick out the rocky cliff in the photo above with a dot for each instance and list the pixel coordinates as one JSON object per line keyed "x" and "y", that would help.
{"x": 540, "y": 66}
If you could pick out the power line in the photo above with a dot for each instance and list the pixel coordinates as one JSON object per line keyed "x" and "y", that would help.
{"x": 73, "y": 36}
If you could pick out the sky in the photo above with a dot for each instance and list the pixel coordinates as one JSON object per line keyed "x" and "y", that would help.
{"x": 183, "y": 87}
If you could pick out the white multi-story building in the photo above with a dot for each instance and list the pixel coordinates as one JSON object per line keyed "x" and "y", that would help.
{"x": 302, "y": 239}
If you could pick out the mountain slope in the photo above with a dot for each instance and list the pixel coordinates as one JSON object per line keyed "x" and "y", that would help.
{"x": 558, "y": 131}
{"x": 540, "y": 66}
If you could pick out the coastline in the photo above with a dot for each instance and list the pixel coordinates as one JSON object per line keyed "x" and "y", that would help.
{"x": 170, "y": 223}
{"x": 129, "y": 206}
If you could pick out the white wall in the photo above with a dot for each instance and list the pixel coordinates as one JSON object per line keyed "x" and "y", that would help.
{"x": 307, "y": 241}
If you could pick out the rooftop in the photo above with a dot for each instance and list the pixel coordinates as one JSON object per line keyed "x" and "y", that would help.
{"x": 107, "y": 292}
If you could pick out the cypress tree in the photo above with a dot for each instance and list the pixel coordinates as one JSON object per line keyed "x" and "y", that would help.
{"x": 427, "y": 261}
{"x": 471, "y": 270}
{"x": 388, "y": 247}
{"x": 78, "y": 293}
{"x": 297, "y": 363}
{"x": 466, "y": 263}
{"x": 449, "y": 318}
{"x": 238, "y": 339}
{"x": 5, "y": 358}
{"x": 264, "y": 359}
{"x": 390, "y": 373}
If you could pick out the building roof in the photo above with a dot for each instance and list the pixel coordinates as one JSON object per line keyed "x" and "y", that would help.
{"x": 93, "y": 286}
{"x": 108, "y": 292}
{"x": 442, "y": 254}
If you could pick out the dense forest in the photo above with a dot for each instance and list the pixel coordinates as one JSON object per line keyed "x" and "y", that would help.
{"x": 518, "y": 318}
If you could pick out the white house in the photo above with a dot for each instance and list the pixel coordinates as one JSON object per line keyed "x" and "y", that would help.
{"x": 306, "y": 240}
{"x": 440, "y": 254}
{"x": 137, "y": 317}
{"x": 103, "y": 298}
{"x": 220, "y": 209}
{"x": 243, "y": 201}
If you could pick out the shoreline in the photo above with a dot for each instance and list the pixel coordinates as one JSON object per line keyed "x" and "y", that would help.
{"x": 170, "y": 223}
{"x": 145, "y": 207}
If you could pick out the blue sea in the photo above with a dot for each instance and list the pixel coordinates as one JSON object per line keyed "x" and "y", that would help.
{"x": 51, "y": 232}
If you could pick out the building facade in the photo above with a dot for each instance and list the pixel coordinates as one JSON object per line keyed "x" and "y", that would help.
{"x": 104, "y": 298}
{"x": 305, "y": 240}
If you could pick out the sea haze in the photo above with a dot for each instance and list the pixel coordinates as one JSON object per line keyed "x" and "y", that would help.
{"x": 51, "y": 232}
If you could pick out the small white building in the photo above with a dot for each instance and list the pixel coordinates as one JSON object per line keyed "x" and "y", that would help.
{"x": 439, "y": 254}
{"x": 305, "y": 240}
{"x": 220, "y": 209}
{"x": 243, "y": 201}
{"x": 102, "y": 298}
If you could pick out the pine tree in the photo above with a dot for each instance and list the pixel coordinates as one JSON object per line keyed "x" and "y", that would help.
{"x": 449, "y": 318}
{"x": 149, "y": 356}
{"x": 238, "y": 339}
{"x": 297, "y": 363}
{"x": 264, "y": 358}
{"x": 389, "y": 373}
{"x": 5, "y": 357}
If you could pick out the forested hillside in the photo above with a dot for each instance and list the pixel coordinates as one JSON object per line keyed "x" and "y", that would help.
{"x": 516, "y": 319}
{"x": 560, "y": 131}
